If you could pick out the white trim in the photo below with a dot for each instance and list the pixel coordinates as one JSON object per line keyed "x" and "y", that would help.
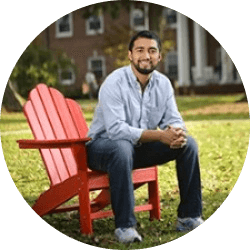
{"x": 200, "y": 48}
{"x": 201, "y": 73}
{"x": 92, "y": 32}
{"x": 140, "y": 13}
{"x": 226, "y": 67}
{"x": 99, "y": 58}
{"x": 183, "y": 51}
{"x": 64, "y": 34}
{"x": 67, "y": 81}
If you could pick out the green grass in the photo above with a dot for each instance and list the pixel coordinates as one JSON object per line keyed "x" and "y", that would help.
{"x": 193, "y": 102}
{"x": 222, "y": 144}
{"x": 188, "y": 103}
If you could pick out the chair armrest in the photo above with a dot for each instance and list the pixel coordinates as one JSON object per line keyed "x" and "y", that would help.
{"x": 57, "y": 143}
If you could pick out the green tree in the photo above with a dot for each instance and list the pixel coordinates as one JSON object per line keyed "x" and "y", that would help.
{"x": 38, "y": 64}
{"x": 11, "y": 102}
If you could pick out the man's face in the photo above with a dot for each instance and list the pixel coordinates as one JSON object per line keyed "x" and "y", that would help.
{"x": 145, "y": 55}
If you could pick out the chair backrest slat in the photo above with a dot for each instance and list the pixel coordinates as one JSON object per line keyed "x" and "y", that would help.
{"x": 78, "y": 118}
{"x": 35, "y": 126}
{"x": 55, "y": 117}
{"x": 64, "y": 114}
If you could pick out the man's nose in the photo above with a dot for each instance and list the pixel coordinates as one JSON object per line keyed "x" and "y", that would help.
{"x": 146, "y": 55}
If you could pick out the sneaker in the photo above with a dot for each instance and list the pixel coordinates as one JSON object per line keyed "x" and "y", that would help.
{"x": 127, "y": 235}
{"x": 188, "y": 224}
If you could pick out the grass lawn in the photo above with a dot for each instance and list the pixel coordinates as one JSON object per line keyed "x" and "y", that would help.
{"x": 223, "y": 141}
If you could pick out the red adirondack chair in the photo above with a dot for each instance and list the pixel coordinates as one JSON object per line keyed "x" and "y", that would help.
{"x": 60, "y": 132}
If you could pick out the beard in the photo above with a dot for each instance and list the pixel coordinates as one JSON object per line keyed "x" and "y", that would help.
{"x": 145, "y": 71}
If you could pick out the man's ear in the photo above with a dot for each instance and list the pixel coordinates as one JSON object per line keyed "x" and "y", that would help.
{"x": 160, "y": 57}
{"x": 130, "y": 55}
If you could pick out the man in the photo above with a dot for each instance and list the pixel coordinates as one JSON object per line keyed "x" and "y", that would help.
{"x": 92, "y": 83}
{"x": 133, "y": 102}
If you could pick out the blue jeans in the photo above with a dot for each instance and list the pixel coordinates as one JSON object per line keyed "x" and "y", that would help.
{"x": 119, "y": 158}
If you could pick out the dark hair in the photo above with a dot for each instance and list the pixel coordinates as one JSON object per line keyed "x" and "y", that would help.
{"x": 145, "y": 34}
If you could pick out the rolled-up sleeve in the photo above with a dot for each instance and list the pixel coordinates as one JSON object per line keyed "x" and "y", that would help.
{"x": 114, "y": 115}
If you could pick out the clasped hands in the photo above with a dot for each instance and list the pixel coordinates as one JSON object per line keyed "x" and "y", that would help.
{"x": 174, "y": 137}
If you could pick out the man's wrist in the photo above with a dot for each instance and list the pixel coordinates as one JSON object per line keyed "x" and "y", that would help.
{"x": 151, "y": 136}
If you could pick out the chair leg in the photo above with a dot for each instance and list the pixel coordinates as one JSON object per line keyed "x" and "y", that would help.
{"x": 85, "y": 213}
{"x": 154, "y": 199}
{"x": 84, "y": 204}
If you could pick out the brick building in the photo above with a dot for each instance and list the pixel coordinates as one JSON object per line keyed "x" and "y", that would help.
{"x": 196, "y": 61}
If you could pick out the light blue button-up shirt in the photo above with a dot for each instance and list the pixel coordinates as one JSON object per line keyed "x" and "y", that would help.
{"x": 124, "y": 112}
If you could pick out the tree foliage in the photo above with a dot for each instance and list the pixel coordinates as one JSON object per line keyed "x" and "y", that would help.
{"x": 38, "y": 64}
{"x": 10, "y": 101}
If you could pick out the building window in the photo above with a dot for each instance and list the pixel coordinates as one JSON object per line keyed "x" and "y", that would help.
{"x": 170, "y": 17}
{"x": 97, "y": 66}
{"x": 139, "y": 18}
{"x": 94, "y": 25}
{"x": 67, "y": 77}
{"x": 171, "y": 65}
{"x": 64, "y": 26}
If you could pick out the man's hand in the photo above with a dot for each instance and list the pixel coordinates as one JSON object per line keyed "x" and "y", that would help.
{"x": 179, "y": 143}
{"x": 174, "y": 137}
{"x": 169, "y": 135}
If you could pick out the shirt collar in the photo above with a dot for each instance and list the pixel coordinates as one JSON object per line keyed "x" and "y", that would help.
{"x": 134, "y": 78}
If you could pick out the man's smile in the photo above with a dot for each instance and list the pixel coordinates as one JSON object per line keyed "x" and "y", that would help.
{"x": 145, "y": 63}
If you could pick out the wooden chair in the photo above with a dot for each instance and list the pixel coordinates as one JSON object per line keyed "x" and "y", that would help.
{"x": 60, "y": 133}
